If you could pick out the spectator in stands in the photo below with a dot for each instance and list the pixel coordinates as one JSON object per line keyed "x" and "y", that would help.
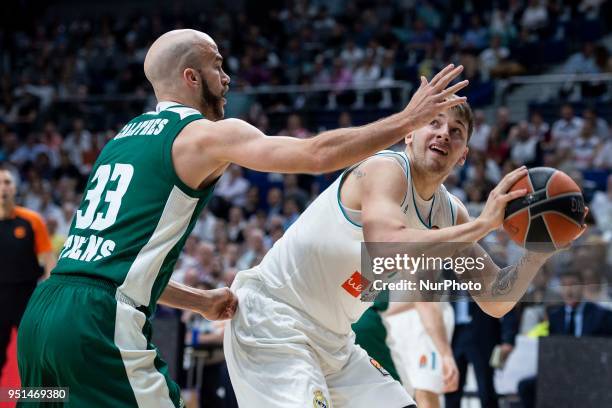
{"x": 475, "y": 336}
{"x": 476, "y": 36}
{"x": 482, "y": 131}
{"x": 585, "y": 147}
{"x": 595, "y": 285}
{"x": 535, "y": 16}
{"x": 367, "y": 73}
{"x": 603, "y": 158}
{"x": 205, "y": 226}
{"x": 538, "y": 127}
{"x": 79, "y": 145}
{"x": 582, "y": 62}
{"x": 574, "y": 318}
{"x": 600, "y": 126}
{"x": 567, "y": 128}
{"x": 601, "y": 208}
{"x": 502, "y": 25}
{"x": 351, "y": 54}
{"x": 291, "y": 211}
{"x": 503, "y": 124}
{"x": 235, "y": 225}
{"x": 295, "y": 128}
{"x": 188, "y": 260}
{"x": 495, "y": 61}
{"x": 233, "y": 186}
{"x": 255, "y": 250}
{"x": 525, "y": 146}
{"x": 292, "y": 190}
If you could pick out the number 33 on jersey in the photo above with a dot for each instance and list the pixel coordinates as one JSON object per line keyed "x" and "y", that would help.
{"x": 136, "y": 213}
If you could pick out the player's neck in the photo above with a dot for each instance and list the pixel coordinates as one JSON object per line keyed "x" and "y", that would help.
{"x": 208, "y": 111}
{"x": 425, "y": 184}
{"x": 6, "y": 210}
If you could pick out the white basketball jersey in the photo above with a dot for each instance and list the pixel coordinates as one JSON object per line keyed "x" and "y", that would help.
{"x": 316, "y": 265}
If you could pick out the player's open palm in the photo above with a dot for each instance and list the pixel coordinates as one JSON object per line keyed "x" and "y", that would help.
{"x": 221, "y": 304}
{"x": 432, "y": 97}
{"x": 494, "y": 211}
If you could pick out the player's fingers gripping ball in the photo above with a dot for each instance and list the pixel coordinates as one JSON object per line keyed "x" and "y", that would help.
{"x": 550, "y": 216}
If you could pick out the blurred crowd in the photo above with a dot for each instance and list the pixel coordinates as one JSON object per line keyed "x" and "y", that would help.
{"x": 338, "y": 44}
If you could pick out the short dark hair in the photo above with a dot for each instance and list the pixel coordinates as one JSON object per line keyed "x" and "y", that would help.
{"x": 572, "y": 273}
{"x": 464, "y": 112}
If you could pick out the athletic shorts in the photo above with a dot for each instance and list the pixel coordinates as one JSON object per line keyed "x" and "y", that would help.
{"x": 75, "y": 334}
{"x": 279, "y": 357}
{"x": 415, "y": 356}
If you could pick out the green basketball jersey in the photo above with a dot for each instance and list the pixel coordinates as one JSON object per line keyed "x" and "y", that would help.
{"x": 136, "y": 213}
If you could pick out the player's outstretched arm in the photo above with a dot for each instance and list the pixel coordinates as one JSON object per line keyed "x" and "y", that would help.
{"x": 236, "y": 141}
{"x": 214, "y": 304}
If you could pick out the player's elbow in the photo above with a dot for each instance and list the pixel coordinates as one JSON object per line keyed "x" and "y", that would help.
{"x": 496, "y": 309}
{"x": 375, "y": 231}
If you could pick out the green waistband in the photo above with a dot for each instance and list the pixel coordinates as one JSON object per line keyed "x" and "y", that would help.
{"x": 85, "y": 280}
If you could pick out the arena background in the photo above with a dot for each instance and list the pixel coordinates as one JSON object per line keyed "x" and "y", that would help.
{"x": 540, "y": 82}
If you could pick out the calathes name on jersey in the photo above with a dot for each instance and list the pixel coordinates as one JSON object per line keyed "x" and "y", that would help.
{"x": 97, "y": 248}
{"x": 148, "y": 127}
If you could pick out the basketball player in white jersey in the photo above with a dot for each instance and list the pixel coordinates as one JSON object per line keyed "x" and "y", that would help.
{"x": 419, "y": 337}
{"x": 290, "y": 343}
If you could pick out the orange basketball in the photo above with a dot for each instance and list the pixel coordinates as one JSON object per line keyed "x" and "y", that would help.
{"x": 550, "y": 216}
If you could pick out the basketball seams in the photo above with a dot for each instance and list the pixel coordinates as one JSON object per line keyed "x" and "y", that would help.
{"x": 528, "y": 225}
{"x": 530, "y": 206}
{"x": 552, "y": 176}
{"x": 552, "y": 237}
{"x": 533, "y": 190}
{"x": 573, "y": 221}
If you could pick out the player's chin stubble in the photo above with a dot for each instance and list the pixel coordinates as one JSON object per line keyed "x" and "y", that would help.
{"x": 211, "y": 100}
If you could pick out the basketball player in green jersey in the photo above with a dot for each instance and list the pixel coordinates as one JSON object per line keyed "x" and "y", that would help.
{"x": 86, "y": 327}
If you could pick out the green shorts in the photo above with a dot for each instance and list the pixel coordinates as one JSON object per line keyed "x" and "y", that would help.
{"x": 75, "y": 334}
{"x": 371, "y": 335}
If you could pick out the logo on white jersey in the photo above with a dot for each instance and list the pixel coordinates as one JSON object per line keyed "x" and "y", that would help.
{"x": 356, "y": 284}
{"x": 319, "y": 400}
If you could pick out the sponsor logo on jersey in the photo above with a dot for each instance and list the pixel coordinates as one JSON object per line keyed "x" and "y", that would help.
{"x": 19, "y": 232}
{"x": 422, "y": 361}
{"x": 355, "y": 284}
{"x": 319, "y": 400}
{"x": 380, "y": 368}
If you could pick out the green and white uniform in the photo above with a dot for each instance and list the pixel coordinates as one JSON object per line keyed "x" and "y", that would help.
{"x": 87, "y": 326}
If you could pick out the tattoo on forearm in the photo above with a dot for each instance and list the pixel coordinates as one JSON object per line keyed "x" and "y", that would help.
{"x": 504, "y": 281}
{"x": 507, "y": 277}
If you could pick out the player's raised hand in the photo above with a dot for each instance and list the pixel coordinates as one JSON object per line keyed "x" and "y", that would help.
{"x": 219, "y": 304}
{"x": 432, "y": 97}
{"x": 494, "y": 210}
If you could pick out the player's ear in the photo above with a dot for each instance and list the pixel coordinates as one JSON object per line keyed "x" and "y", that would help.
{"x": 463, "y": 157}
{"x": 408, "y": 138}
{"x": 191, "y": 76}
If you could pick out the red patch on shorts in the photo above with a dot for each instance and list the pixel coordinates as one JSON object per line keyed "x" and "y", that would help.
{"x": 355, "y": 284}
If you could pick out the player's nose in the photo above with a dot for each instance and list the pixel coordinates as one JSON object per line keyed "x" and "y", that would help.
{"x": 442, "y": 133}
{"x": 225, "y": 79}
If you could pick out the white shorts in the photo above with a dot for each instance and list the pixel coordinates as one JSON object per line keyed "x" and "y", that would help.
{"x": 278, "y": 357}
{"x": 416, "y": 358}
